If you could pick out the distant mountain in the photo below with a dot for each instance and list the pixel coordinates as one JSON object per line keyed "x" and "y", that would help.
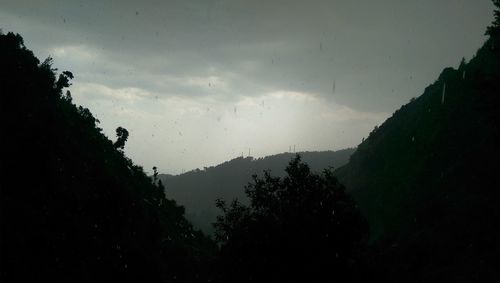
{"x": 198, "y": 189}
{"x": 73, "y": 207}
{"x": 428, "y": 179}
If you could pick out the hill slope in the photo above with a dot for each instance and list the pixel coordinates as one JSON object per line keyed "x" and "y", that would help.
{"x": 427, "y": 178}
{"x": 197, "y": 190}
{"x": 73, "y": 207}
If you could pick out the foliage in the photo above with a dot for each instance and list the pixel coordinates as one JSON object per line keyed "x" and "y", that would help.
{"x": 427, "y": 178}
{"x": 494, "y": 29}
{"x": 122, "y": 136}
{"x": 298, "y": 228}
{"x": 73, "y": 207}
{"x": 227, "y": 180}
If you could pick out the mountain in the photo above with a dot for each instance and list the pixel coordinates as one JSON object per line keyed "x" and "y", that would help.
{"x": 427, "y": 178}
{"x": 73, "y": 207}
{"x": 198, "y": 189}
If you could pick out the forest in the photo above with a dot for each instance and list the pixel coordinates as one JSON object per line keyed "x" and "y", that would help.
{"x": 227, "y": 181}
{"x": 416, "y": 201}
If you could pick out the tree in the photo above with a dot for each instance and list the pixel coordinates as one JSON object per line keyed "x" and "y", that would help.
{"x": 155, "y": 174}
{"x": 122, "y": 136}
{"x": 64, "y": 80}
{"x": 86, "y": 213}
{"x": 494, "y": 29}
{"x": 297, "y": 228}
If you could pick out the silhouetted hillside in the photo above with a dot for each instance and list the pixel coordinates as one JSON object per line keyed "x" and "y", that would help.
{"x": 197, "y": 190}
{"x": 427, "y": 178}
{"x": 301, "y": 227}
{"x": 73, "y": 207}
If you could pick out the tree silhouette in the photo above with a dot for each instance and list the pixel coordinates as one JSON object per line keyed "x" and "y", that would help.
{"x": 83, "y": 211}
{"x": 494, "y": 29}
{"x": 297, "y": 228}
{"x": 155, "y": 174}
{"x": 64, "y": 79}
{"x": 122, "y": 136}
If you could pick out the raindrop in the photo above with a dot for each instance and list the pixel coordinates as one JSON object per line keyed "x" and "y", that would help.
{"x": 463, "y": 75}
{"x": 180, "y": 134}
{"x": 235, "y": 110}
{"x": 136, "y": 13}
{"x": 333, "y": 87}
{"x": 333, "y": 211}
{"x": 412, "y": 139}
{"x": 444, "y": 92}
{"x": 321, "y": 46}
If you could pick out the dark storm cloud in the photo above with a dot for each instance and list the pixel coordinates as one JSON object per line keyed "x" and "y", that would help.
{"x": 377, "y": 53}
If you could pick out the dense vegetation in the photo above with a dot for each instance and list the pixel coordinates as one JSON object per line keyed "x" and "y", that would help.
{"x": 427, "y": 178}
{"x": 76, "y": 209}
{"x": 197, "y": 190}
{"x": 299, "y": 228}
{"x": 73, "y": 207}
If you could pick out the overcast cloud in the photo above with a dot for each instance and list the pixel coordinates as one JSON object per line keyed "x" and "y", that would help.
{"x": 199, "y": 82}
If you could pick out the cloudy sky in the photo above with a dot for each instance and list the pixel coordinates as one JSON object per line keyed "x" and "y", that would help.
{"x": 200, "y": 82}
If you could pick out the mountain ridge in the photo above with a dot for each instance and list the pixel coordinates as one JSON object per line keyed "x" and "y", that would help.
{"x": 198, "y": 189}
{"x": 427, "y": 178}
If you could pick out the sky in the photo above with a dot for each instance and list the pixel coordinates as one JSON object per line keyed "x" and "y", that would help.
{"x": 197, "y": 83}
